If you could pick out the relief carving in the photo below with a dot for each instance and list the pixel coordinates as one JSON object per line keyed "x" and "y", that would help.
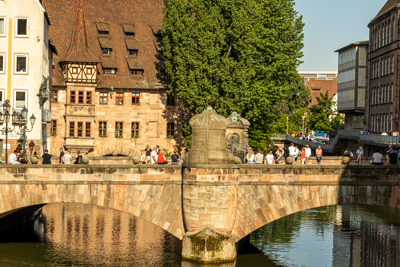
{"x": 74, "y": 110}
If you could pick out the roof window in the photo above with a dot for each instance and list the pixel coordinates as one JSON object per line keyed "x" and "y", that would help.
{"x": 129, "y": 30}
{"x": 102, "y": 28}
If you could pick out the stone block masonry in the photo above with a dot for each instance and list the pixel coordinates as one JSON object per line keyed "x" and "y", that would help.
{"x": 231, "y": 201}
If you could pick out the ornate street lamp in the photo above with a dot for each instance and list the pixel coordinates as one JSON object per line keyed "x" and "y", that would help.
{"x": 31, "y": 145}
{"x": 5, "y": 118}
{"x": 22, "y": 121}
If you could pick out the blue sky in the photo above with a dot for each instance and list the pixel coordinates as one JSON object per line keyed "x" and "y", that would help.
{"x": 330, "y": 25}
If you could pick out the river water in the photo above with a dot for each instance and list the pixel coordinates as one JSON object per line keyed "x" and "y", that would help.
{"x": 84, "y": 235}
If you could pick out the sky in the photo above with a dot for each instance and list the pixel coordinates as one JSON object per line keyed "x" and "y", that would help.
{"x": 330, "y": 25}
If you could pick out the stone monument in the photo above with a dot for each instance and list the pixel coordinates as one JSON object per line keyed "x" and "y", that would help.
{"x": 237, "y": 136}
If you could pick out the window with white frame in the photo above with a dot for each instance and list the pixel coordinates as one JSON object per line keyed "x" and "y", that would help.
{"x": 2, "y": 62}
{"x": 2, "y": 26}
{"x": 21, "y": 63}
{"x": 21, "y": 26}
{"x": 19, "y": 100}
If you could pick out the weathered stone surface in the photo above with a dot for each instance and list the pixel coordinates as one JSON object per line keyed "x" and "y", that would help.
{"x": 208, "y": 246}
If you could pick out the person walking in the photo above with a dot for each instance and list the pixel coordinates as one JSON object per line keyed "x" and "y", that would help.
{"x": 308, "y": 153}
{"x": 12, "y": 159}
{"x": 259, "y": 157}
{"x": 175, "y": 158}
{"x": 153, "y": 156}
{"x": 318, "y": 154}
{"x": 303, "y": 156}
{"x": 269, "y": 158}
{"x": 250, "y": 157}
{"x": 148, "y": 152}
{"x": 292, "y": 151}
{"x": 161, "y": 157}
{"x": 143, "y": 157}
{"x": 359, "y": 154}
{"x": 388, "y": 151}
{"x": 67, "y": 157}
{"x": 279, "y": 155}
{"x": 46, "y": 157}
{"x": 61, "y": 160}
{"x": 377, "y": 158}
{"x": 78, "y": 158}
{"x": 297, "y": 152}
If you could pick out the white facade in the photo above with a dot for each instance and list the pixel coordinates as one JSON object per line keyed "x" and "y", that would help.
{"x": 24, "y": 58}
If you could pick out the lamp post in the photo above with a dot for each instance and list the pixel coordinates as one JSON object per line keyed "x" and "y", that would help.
{"x": 287, "y": 124}
{"x": 5, "y": 117}
{"x": 22, "y": 123}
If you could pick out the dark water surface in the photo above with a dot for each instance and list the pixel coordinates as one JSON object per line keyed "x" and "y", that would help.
{"x": 84, "y": 235}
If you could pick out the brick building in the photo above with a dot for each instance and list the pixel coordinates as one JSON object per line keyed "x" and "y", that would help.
{"x": 382, "y": 97}
{"x": 109, "y": 91}
{"x": 320, "y": 82}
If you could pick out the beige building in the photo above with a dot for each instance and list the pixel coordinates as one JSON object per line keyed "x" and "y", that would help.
{"x": 25, "y": 60}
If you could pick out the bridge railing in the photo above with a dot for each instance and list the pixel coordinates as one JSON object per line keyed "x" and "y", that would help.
{"x": 371, "y": 139}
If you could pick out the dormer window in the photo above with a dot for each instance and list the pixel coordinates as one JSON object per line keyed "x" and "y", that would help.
{"x": 136, "y": 72}
{"x": 106, "y": 51}
{"x": 110, "y": 71}
{"x": 133, "y": 52}
{"x": 102, "y": 29}
{"x": 129, "y": 30}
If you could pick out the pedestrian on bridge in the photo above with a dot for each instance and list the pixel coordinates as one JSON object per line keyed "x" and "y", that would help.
{"x": 377, "y": 158}
{"x": 388, "y": 151}
{"x": 250, "y": 157}
{"x": 318, "y": 154}
{"x": 308, "y": 153}
{"x": 359, "y": 154}
{"x": 292, "y": 152}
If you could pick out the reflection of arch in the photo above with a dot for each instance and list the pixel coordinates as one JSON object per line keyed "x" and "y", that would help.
{"x": 261, "y": 204}
{"x": 159, "y": 204}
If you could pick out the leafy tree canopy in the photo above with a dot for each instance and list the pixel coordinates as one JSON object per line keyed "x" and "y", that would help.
{"x": 324, "y": 117}
{"x": 235, "y": 55}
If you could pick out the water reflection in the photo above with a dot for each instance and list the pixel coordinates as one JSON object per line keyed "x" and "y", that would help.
{"x": 84, "y": 235}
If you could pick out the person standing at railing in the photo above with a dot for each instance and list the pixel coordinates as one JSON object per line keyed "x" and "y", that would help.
{"x": 318, "y": 154}
{"x": 308, "y": 153}
{"x": 359, "y": 154}
{"x": 292, "y": 152}
{"x": 388, "y": 151}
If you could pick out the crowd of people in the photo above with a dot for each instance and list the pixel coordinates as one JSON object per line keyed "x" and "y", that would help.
{"x": 391, "y": 157}
{"x": 294, "y": 152}
{"x": 158, "y": 156}
{"x": 65, "y": 157}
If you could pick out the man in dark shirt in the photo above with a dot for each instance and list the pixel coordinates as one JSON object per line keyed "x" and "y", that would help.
{"x": 393, "y": 157}
{"x": 46, "y": 158}
{"x": 61, "y": 161}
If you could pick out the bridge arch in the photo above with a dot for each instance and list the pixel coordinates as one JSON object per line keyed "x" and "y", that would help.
{"x": 159, "y": 204}
{"x": 261, "y": 204}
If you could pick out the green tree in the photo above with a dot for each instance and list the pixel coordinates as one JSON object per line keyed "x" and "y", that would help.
{"x": 235, "y": 55}
{"x": 323, "y": 118}
{"x": 295, "y": 121}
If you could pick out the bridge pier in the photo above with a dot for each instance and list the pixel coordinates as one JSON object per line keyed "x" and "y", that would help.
{"x": 210, "y": 200}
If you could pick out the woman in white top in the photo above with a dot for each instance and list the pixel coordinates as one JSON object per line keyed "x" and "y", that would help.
{"x": 250, "y": 157}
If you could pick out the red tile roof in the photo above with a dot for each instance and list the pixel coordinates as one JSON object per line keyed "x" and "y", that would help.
{"x": 114, "y": 16}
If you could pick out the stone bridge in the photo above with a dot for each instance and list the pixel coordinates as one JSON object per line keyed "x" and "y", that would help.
{"x": 231, "y": 200}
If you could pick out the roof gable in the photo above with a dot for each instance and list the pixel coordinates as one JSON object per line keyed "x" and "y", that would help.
{"x": 390, "y": 4}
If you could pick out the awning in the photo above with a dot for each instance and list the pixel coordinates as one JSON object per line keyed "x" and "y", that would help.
{"x": 131, "y": 44}
{"x": 109, "y": 62}
{"x": 135, "y": 63}
{"x": 105, "y": 43}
